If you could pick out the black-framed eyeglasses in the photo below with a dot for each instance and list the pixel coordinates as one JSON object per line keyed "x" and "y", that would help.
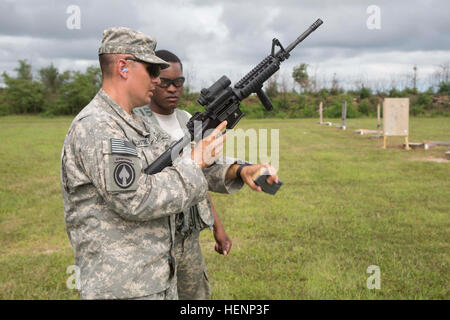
{"x": 166, "y": 82}
{"x": 152, "y": 69}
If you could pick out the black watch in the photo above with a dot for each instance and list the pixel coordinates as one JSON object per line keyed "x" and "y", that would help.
{"x": 238, "y": 172}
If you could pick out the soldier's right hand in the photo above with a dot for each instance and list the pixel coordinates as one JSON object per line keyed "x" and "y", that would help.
{"x": 208, "y": 150}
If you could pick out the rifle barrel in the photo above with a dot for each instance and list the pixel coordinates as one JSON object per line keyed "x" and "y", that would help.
{"x": 302, "y": 37}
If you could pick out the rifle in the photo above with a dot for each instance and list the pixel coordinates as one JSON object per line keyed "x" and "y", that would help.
{"x": 222, "y": 102}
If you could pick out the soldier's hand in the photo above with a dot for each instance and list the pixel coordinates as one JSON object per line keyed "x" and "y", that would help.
{"x": 250, "y": 173}
{"x": 208, "y": 150}
{"x": 223, "y": 242}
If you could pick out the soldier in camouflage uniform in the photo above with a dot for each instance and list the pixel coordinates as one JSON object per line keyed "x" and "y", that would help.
{"x": 120, "y": 221}
{"x": 192, "y": 279}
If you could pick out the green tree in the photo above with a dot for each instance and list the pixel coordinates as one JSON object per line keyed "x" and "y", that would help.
{"x": 365, "y": 92}
{"x": 425, "y": 99}
{"x": 333, "y": 111}
{"x": 51, "y": 79}
{"x": 22, "y": 94}
{"x": 24, "y": 71}
{"x": 364, "y": 107}
{"x": 444, "y": 87}
{"x": 308, "y": 111}
{"x": 77, "y": 93}
{"x": 394, "y": 93}
{"x": 300, "y": 75}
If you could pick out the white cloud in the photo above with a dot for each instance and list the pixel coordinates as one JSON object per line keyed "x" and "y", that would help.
{"x": 229, "y": 37}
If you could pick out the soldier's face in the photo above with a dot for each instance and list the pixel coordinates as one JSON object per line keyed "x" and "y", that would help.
{"x": 142, "y": 85}
{"x": 168, "y": 98}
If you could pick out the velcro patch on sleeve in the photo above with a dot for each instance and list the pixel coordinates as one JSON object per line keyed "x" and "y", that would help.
{"x": 122, "y": 173}
{"x": 122, "y": 167}
{"x": 123, "y": 147}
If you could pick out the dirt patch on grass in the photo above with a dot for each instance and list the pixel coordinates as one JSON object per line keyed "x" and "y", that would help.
{"x": 7, "y": 286}
{"x": 432, "y": 159}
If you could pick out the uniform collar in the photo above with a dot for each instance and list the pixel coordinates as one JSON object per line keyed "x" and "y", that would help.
{"x": 115, "y": 108}
{"x": 151, "y": 116}
{"x": 177, "y": 112}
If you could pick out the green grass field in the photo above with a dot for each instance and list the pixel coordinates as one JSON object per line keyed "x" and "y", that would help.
{"x": 345, "y": 204}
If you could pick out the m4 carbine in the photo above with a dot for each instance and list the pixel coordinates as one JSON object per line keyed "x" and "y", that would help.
{"x": 222, "y": 102}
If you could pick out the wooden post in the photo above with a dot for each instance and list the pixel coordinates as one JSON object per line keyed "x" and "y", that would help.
{"x": 378, "y": 119}
{"x": 407, "y": 143}
{"x": 344, "y": 115}
{"x": 384, "y": 142}
{"x": 321, "y": 112}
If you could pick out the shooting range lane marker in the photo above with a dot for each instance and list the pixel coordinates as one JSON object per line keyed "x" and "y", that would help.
{"x": 321, "y": 115}
{"x": 343, "y": 116}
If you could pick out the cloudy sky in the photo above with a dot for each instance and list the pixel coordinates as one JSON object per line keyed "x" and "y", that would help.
{"x": 229, "y": 37}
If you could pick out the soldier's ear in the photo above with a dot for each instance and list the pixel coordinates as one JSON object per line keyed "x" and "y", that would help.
{"x": 123, "y": 70}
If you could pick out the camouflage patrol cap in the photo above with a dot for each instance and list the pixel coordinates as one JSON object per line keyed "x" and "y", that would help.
{"x": 126, "y": 40}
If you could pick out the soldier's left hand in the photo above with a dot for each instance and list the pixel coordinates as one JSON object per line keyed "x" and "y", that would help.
{"x": 250, "y": 173}
{"x": 223, "y": 242}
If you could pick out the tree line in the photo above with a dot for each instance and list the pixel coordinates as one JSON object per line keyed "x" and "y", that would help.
{"x": 54, "y": 93}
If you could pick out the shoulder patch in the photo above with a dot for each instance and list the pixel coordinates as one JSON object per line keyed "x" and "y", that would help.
{"x": 124, "y": 175}
{"x": 123, "y": 166}
{"x": 123, "y": 147}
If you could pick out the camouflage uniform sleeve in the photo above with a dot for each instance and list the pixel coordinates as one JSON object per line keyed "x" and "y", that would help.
{"x": 215, "y": 175}
{"x": 150, "y": 196}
